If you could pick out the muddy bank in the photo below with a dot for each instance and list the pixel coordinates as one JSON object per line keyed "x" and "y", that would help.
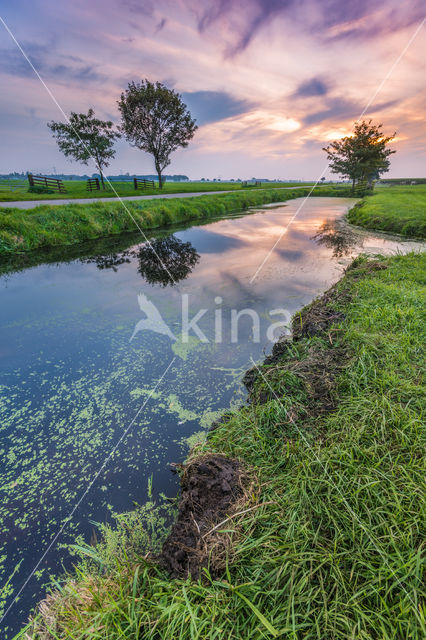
{"x": 210, "y": 488}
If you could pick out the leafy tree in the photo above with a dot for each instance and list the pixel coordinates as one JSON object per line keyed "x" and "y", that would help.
{"x": 85, "y": 137}
{"x": 363, "y": 156}
{"x": 154, "y": 119}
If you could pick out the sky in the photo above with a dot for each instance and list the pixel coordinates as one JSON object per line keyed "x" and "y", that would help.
{"x": 270, "y": 82}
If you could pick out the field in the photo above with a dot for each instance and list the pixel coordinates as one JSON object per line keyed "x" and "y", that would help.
{"x": 49, "y": 226}
{"x": 325, "y": 541}
{"x": 77, "y": 189}
{"x": 397, "y": 209}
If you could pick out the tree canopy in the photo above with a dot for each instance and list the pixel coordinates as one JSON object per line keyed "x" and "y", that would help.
{"x": 85, "y": 137}
{"x": 155, "y": 119}
{"x": 362, "y": 157}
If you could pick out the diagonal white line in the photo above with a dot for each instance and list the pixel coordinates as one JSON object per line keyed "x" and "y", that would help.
{"x": 392, "y": 69}
{"x": 82, "y": 141}
{"x": 90, "y": 485}
{"x": 373, "y": 97}
{"x": 347, "y": 505}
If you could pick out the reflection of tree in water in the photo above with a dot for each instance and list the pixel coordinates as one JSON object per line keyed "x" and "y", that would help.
{"x": 111, "y": 260}
{"x": 337, "y": 237}
{"x": 165, "y": 261}
{"x": 162, "y": 261}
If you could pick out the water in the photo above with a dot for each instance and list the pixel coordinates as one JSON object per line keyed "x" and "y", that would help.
{"x": 73, "y": 386}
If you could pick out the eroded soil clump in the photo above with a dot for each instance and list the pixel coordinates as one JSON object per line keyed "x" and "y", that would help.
{"x": 210, "y": 488}
{"x": 318, "y": 317}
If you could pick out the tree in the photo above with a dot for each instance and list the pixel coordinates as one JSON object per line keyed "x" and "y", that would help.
{"x": 85, "y": 137}
{"x": 154, "y": 119}
{"x": 363, "y": 156}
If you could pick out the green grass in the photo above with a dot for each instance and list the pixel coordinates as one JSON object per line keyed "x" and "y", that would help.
{"x": 77, "y": 189}
{"x": 397, "y": 209}
{"x": 48, "y": 226}
{"x": 333, "y": 548}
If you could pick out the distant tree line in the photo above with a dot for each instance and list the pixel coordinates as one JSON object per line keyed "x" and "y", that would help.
{"x": 176, "y": 177}
{"x": 16, "y": 175}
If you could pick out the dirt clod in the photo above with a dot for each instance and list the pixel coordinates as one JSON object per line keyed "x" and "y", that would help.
{"x": 317, "y": 318}
{"x": 210, "y": 486}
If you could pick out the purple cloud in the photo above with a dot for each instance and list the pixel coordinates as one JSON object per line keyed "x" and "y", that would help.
{"x": 313, "y": 87}
{"x": 212, "y": 106}
{"x": 329, "y": 19}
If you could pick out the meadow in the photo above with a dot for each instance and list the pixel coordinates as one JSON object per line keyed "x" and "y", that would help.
{"x": 397, "y": 209}
{"x": 77, "y": 189}
{"x": 325, "y": 541}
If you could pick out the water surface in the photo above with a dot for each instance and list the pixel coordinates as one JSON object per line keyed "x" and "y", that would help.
{"x": 72, "y": 381}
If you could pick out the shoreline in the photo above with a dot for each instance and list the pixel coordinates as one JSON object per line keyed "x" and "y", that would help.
{"x": 46, "y": 226}
{"x": 271, "y": 463}
{"x": 399, "y": 210}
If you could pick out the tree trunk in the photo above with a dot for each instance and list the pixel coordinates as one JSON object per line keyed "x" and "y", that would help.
{"x": 160, "y": 177}
{"x": 102, "y": 179}
{"x": 353, "y": 185}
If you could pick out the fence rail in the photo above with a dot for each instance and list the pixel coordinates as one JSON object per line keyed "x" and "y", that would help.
{"x": 93, "y": 184}
{"x": 43, "y": 181}
{"x": 141, "y": 183}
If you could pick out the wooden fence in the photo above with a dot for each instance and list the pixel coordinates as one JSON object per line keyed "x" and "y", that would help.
{"x": 42, "y": 181}
{"x": 93, "y": 184}
{"x": 141, "y": 183}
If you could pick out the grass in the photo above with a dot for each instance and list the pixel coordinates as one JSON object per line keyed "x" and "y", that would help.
{"x": 334, "y": 442}
{"x": 77, "y": 189}
{"x": 397, "y": 209}
{"x": 49, "y": 226}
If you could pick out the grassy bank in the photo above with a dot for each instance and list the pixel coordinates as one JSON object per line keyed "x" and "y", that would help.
{"x": 324, "y": 540}
{"x": 77, "y": 189}
{"x": 397, "y": 209}
{"x": 49, "y": 226}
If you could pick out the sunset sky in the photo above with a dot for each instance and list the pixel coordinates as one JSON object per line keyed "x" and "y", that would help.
{"x": 269, "y": 81}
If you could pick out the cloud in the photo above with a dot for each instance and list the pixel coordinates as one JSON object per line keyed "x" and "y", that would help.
{"x": 160, "y": 26}
{"x": 145, "y": 8}
{"x": 313, "y": 87}
{"x": 339, "y": 109}
{"x": 328, "y": 19}
{"x": 367, "y": 19}
{"x": 13, "y": 63}
{"x": 212, "y": 106}
{"x": 257, "y": 14}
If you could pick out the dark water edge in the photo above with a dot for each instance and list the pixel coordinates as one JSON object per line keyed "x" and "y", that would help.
{"x": 109, "y": 245}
